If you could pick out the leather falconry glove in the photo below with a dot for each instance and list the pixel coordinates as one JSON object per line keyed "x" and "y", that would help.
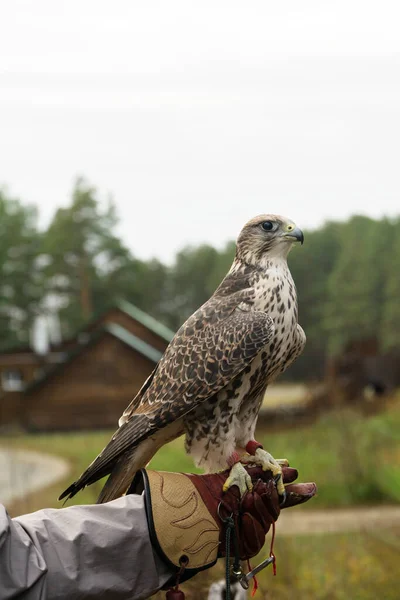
{"x": 186, "y": 513}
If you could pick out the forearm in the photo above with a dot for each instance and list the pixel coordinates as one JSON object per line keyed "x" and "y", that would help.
{"x": 80, "y": 552}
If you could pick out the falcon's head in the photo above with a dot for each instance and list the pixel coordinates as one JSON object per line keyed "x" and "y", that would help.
{"x": 267, "y": 236}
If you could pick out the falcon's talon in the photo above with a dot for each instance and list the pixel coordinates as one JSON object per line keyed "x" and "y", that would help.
{"x": 268, "y": 463}
{"x": 280, "y": 487}
{"x": 240, "y": 477}
{"x": 283, "y": 500}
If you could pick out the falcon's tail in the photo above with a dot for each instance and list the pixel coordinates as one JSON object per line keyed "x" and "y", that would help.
{"x": 122, "y": 445}
{"x": 121, "y": 473}
{"x": 132, "y": 446}
{"x": 120, "y": 478}
{"x": 124, "y": 471}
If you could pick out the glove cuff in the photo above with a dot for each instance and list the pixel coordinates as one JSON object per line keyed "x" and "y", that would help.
{"x": 182, "y": 530}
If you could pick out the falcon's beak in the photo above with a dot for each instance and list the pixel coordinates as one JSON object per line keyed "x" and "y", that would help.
{"x": 295, "y": 235}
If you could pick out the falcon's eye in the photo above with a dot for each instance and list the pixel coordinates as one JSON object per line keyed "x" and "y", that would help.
{"x": 267, "y": 225}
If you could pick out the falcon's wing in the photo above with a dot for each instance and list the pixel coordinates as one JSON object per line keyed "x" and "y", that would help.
{"x": 205, "y": 355}
{"x": 214, "y": 345}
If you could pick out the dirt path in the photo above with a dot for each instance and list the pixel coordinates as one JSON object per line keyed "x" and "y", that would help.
{"x": 22, "y": 472}
{"x": 338, "y": 520}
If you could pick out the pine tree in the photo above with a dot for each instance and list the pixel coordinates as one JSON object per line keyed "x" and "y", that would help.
{"x": 19, "y": 284}
{"x": 83, "y": 257}
{"x": 355, "y": 287}
{"x": 390, "y": 328}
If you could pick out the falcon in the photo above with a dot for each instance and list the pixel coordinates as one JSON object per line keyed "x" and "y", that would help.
{"x": 211, "y": 380}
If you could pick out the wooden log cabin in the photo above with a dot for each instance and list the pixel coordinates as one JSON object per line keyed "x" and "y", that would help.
{"x": 86, "y": 382}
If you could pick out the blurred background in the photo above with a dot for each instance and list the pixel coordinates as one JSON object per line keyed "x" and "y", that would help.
{"x": 136, "y": 140}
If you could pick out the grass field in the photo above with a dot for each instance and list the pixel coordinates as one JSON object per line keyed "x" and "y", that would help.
{"x": 354, "y": 460}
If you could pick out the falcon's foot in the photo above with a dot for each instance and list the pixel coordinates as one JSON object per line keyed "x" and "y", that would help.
{"x": 265, "y": 460}
{"x": 240, "y": 477}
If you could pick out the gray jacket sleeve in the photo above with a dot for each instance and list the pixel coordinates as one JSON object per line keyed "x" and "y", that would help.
{"x": 80, "y": 552}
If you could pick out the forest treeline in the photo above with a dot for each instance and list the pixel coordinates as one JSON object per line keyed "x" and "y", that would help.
{"x": 347, "y": 275}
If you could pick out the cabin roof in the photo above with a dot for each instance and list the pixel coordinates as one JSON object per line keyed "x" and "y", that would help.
{"x": 133, "y": 341}
{"x": 113, "y": 329}
{"x": 123, "y": 305}
{"x": 146, "y": 320}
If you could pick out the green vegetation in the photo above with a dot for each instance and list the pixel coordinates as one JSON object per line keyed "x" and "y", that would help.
{"x": 352, "y": 459}
{"x": 346, "y": 274}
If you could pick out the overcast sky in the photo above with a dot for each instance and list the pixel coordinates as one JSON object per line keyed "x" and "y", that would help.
{"x": 197, "y": 116}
